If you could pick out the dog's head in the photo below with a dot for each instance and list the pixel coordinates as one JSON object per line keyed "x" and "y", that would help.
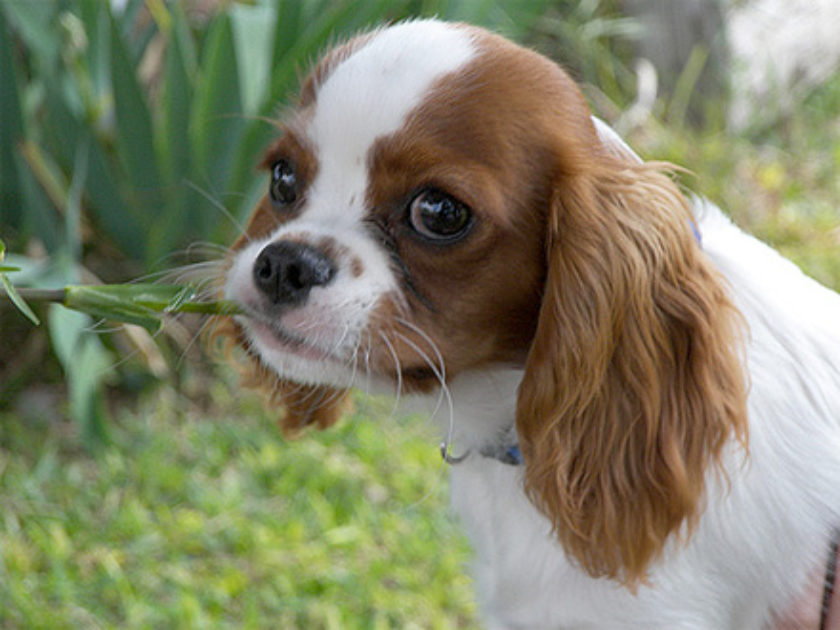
{"x": 439, "y": 202}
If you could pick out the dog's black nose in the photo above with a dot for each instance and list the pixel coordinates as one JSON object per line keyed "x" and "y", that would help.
{"x": 285, "y": 271}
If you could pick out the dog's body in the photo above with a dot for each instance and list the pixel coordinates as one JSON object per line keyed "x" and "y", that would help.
{"x": 445, "y": 220}
{"x": 763, "y": 533}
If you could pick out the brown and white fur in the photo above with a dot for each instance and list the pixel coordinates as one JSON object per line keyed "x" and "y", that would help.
{"x": 448, "y": 222}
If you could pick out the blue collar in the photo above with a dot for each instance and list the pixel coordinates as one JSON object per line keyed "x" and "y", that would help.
{"x": 509, "y": 454}
{"x": 506, "y": 451}
{"x": 696, "y": 231}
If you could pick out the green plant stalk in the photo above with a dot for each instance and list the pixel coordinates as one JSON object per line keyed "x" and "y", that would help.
{"x": 141, "y": 304}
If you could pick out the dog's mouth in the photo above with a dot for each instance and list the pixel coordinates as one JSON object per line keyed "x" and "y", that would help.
{"x": 271, "y": 335}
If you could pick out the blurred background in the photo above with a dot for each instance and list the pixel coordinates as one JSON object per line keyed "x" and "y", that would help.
{"x": 139, "y": 485}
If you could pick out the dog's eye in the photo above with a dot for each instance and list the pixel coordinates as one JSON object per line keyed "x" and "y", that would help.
{"x": 284, "y": 183}
{"x": 439, "y": 216}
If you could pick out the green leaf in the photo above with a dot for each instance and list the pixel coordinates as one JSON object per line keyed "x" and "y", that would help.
{"x": 121, "y": 221}
{"x": 46, "y": 172}
{"x": 73, "y": 207}
{"x": 61, "y": 127}
{"x": 18, "y": 301}
{"x": 40, "y": 217}
{"x": 287, "y": 28}
{"x": 12, "y": 132}
{"x": 179, "y": 221}
{"x": 86, "y": 364}
{"x": 35, "y": 22}
{"x": 142, "y": 303}
{"x": 253, "y": 35}
{"x": 65, "y": 197}
{"x": 176, "y": 104}
{"x": 11, "y": 293}
{"x": 135, "y": 142}
{"x": 66, "y": 327}
{"x": 113, "y": 303}
{"x": 95, "y": 16}
{"x": 217, "y": 122}
{"x": 92, "y": 364}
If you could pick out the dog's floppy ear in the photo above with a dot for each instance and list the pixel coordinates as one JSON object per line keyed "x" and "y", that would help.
{"x": 633, "y": 383}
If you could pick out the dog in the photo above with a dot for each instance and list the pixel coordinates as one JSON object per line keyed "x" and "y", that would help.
{"x": 640, "y": 403}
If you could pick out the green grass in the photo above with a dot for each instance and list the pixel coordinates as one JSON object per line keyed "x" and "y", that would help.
{"x": 197, "y": 518}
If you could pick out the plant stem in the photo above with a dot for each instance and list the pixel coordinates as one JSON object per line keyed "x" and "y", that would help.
{"x": 39, "y": 295}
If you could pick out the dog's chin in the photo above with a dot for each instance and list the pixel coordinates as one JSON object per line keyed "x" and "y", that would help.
{"x": 296, "y": 358}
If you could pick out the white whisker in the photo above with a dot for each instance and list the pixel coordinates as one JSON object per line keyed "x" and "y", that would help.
{"x": 397, "y": 369}
{"x": 440, "y": 373}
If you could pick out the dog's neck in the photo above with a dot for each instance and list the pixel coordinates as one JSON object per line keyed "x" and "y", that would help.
{"x": 477, "y": 411}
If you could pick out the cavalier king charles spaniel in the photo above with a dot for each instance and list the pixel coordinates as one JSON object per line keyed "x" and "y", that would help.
{"x": 640, "y": 403}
